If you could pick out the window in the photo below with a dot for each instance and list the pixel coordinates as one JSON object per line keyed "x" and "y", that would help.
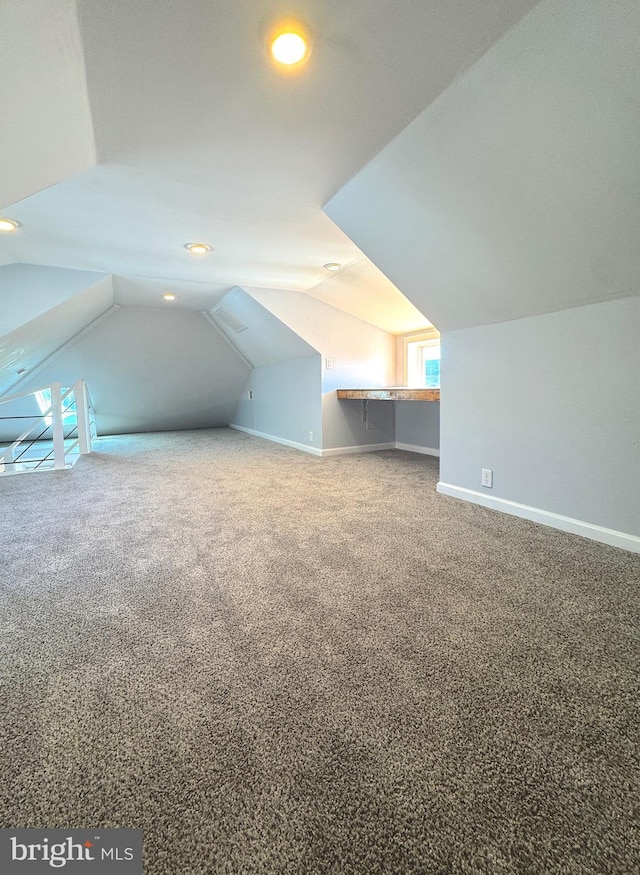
{"x": 43, "y": 400}
{"x": 422, "y": 359}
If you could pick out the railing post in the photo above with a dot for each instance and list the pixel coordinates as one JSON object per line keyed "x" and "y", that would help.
{"x": 7, "y": 460}
{"x": 57, "y": 426}
{"x": 82, "y": 416}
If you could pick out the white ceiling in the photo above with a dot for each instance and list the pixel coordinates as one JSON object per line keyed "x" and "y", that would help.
{"x": 46, "y": 133}
{"x": 199, "y": 137}
{"x": 29, "y": 345}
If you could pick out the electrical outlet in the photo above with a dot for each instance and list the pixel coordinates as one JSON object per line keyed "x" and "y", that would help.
{"x": 487, "y": 478}
{"x": 310, "y": 435}
{"x": 250, "y": 394}
{"x": 328, "y": 364}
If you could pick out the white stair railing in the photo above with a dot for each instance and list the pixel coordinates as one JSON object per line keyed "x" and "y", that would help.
{"x": 56, "y": 436}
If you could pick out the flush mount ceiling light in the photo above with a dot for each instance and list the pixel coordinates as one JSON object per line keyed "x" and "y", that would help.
{"x": 289, "y": 43}
{"x": 198, "y": 248}
{"x": 289, "y": 48}
{"x": 169, "y": 296}
{"x": 332, "y": 266}
{"x": 8, "y": 225}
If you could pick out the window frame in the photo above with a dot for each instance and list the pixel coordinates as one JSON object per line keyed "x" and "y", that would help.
{"x": 429, "y": 337}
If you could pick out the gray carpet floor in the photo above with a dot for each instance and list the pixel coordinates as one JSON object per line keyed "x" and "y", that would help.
{"x": 276, "y": 663}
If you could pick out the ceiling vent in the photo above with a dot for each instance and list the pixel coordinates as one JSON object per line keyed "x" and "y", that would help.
{"x": 229, "y": 319}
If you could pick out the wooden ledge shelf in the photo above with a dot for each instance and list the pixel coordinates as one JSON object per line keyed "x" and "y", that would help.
{"x": 390, "y": 394}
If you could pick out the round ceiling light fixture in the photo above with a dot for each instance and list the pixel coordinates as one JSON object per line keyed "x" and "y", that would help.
{"x": 289, "y": 48}
{"x": 8, "y": 225}
{"x": 198, "y": 248}
{"x": 332, "y": 266}
{"x": 169, "y": 296}
{"x": 289, "y": 43}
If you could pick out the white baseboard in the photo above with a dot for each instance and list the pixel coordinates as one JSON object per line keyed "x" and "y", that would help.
{"x": 338, "y": 451}
{"x": 413, "y": 448}
{"x": 545, "y": 517}
{"x": 363, "y": 448}
{"x": 278, "y": 440}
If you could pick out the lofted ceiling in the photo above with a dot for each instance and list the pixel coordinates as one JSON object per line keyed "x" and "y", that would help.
{"x": 194, "y": 135}
{"x": 46, "y": 134}
{"x": 517, "y": 191}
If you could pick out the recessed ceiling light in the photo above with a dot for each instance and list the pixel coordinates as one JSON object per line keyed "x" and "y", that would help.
{"x": 289, "y": 48}
{"x": 333, "y": 265}
{"x": 169, "y": 296}
{"x": 198, "y": 248}
{"x": 22, "y": 371}
{"x": 8, "y": 225}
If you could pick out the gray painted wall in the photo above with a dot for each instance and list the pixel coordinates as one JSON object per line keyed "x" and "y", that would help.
{"x": 418, "y": 423}
{"x": 287, "y": 401}
{"x": 552, "y": 405}
{"x": 344, "y": 425}
{"x": 153, "y": 370}
{"x": 286, "y": 378}
{"x": 299, "y": 396}
{"x": 361, "y": 356}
